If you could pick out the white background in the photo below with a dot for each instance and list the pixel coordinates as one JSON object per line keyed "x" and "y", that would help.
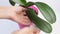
{"x": 7, "y": 26}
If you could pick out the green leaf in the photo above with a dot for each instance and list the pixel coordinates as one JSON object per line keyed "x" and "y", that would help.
{"x": 40, "y": 23}
{"x": 11, "y": 2}
{"x": 29, "y": 4}
{"x": 21, "y": 2}
{"x": 46, "y": 11}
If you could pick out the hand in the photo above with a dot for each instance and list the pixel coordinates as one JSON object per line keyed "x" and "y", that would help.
{"x": 18, "y": 14}
{"x": 15, "y": 13}
{"x": 26, "y": 30}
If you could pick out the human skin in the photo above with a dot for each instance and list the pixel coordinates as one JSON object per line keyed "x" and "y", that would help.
{"x": 36, "y": 11}
{"x": 26, "y": 30}
{"x": 17, "y": 14}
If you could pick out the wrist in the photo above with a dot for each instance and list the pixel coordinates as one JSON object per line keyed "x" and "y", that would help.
{"x": 3, "y": 14}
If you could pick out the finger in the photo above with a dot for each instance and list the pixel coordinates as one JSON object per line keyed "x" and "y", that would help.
{"x": 21, "y": 9}
{"x": 23, "y": 13}
{"x": 21, "y": 20}
{"x": 27, "y": 19}
{"x": 35, "y": 31}
{"x": 30, "y": 30}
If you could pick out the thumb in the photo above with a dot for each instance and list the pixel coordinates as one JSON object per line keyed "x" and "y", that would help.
{"x": 20, "y": 9}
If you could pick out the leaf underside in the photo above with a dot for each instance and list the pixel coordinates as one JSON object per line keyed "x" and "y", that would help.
{"x": 47, "y": 12}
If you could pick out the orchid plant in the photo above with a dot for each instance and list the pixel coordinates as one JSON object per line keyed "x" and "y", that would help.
{"x": 46, "y": 11}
